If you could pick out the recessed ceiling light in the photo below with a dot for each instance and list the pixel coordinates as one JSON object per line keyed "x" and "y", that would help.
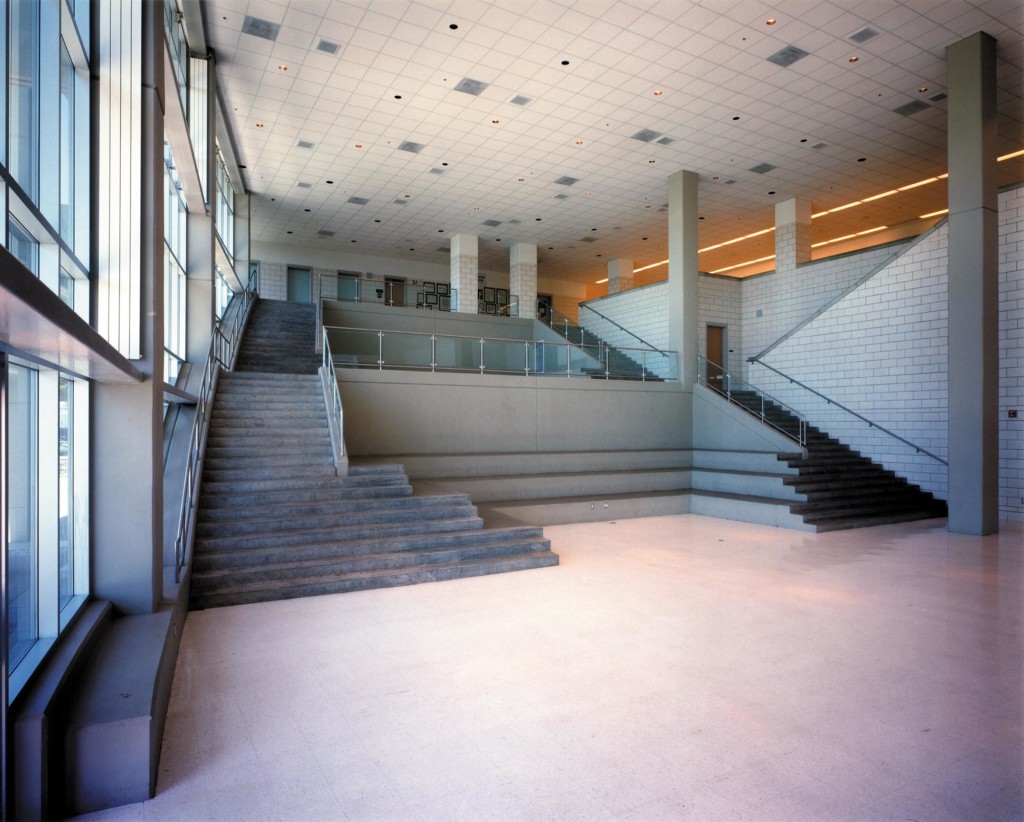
{"x": 398, "y": 96}
{"x": 282, "y": 68}
{"x": 289, "y": 232}
{"x": 537, "y": 219}
{"x": 579, "y": 142}
{"x": 453, "y": 26}
{"x": 643, "y": 238}
{"x": 329, "y": 182}
{"x": 565, "y": 62}
{"x": 444, "y": 164}
{"x": 854, "y": 59}
{"x": 521, "y": 179}
{"x": 306, "y": 210}
{"x": 586, "y": 193}
{"x": 495, "y": 121}
{"x": 735, "y": 118}
{"x": 861, "y": 159}
{"x": 259, "y": 125}
{"x": 359, "y": 145}
{"x": 923, "y": 89}
{"x": 771, "y": 21}
{"x": 658, "y": 93}
{"x": 651, "y": 162}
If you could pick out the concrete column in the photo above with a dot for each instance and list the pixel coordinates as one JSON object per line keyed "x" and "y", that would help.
{"x": 682, "y": 272}
{"x": 973, "y": 287}
{"x": 465, "y": 264}
{"x": 620, "y": 275}
{"x": 792, "y": 233}
{"x": 199, "y": 295}
{"x": 522, "y": 279}
{"x": 127, "y": 420}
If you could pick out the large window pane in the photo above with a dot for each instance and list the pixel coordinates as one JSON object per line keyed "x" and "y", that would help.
{"x": 23, "y": 95}
{"x": 67, "y": 147}
{"x": 65, "y": 493}
{"x": 23, "y": 532}
{"x": 23, "y": 245}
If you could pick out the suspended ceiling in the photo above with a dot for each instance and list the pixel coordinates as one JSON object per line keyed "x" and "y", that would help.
{"x": 382, "y": 127}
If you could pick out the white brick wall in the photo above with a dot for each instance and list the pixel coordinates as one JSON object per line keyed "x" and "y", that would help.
{"x": 880, "y": 350}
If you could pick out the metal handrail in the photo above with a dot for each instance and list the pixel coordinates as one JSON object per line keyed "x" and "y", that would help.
{"x": 601, "y": 356}
{"x": 222, "y": 354}
{"x": 327, "y": 363}
{"x": 861, "y": 417}
{"x": 702, "y": 377}
{"x": 623, "y": 328}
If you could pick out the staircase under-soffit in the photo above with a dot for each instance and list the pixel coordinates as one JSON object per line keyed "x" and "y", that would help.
{"x": 274, "y": 520}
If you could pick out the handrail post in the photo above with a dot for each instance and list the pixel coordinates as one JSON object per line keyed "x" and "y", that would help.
{"x": 607, "y": 362}
{"x": 380, "y": 350}
{"x": 433, "y": 353}
{"x": 643, "y": 365}
{"x": 481, "y": 356}
{"x": 526, "y": 355}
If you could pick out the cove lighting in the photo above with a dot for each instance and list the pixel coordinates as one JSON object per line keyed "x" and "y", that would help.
{"x": 740, "y": 265}
{"x": 1011, "y": 155}
{"x": 934, "y": 214}
{"x": 598, "y": 282}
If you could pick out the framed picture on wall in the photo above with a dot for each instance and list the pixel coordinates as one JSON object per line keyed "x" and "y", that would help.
{"x": 492, "y": 308}
{"x": 442, "y": 288}
{"x": 419, "y": 299}
{"x": 501, "y": 295}
{"x": 446, "y": 302}
{"x": 488, "y": 295}
{"x": 428, "y": 288}
{"x": 431, "y": 299}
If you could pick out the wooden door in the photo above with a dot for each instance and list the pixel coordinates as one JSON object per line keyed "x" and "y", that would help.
{"x": 715, "y": 355}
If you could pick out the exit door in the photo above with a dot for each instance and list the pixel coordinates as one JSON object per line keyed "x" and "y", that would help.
{"x": 300, "y": 287}
{"x": 394, "y": 291}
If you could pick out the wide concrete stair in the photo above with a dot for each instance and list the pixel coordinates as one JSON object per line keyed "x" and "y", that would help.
{"x": 275, "y": 522}
{"x": 279, "y": 338}
{"x": 840, "y": 487}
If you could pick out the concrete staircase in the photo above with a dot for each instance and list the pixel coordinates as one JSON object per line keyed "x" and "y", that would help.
{"x": 275, "y": 522}
{"x": 840, "y": 487}
{"x": 279, "y": 339}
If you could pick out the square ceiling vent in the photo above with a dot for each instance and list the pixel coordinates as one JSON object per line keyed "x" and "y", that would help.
{"x": 467, "y": 85}
{"x": 520, "y": 100}
{"x": 646, "y": 135}
{"x": 567, "y": 181}
{"x": 913, "y": 107}
{"x": 763, "y": 168}
{"x": 260, "y": 28}
{"x": 327, "y": 47}
{"x": 408, "y": 145}
{"x": 787, "y": 56}
{"x": 358, "y": 200}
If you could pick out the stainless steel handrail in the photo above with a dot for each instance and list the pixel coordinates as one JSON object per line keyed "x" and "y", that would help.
{"x": 601, "y": 355}
{"x": 327, "y": 364}
{"x": 702, "y": 377}
{"x": 223, "y": 352}
{"x": 851, "y": 412}
{"x": 623, "y": 328}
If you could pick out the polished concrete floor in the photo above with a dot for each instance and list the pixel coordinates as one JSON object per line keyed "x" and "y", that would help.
{"x": 671, "y": 668}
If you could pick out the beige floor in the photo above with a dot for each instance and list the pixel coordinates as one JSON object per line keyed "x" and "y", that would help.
{"x": 670, "y": 668}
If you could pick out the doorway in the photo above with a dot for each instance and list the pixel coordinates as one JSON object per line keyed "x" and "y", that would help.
{"x": 300, "y": 287}
{"x": 544, "y": 309}
{"x": 394, "y": 290}
{"x": 715, "y": 348}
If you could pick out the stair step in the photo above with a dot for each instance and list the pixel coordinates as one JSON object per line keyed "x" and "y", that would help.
{"x": 354, "y": 563}
{"x": 297, "y": 484}
{"x": 295, "y": 521}
{"x": 380, "y": 545}
{"x": 374, "y": 579}
{"x": 327, "y": 494}
{"x": 315, "y": 536}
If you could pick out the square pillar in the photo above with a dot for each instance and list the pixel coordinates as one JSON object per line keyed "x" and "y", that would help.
{"x": 682, "y": 272}
{"x": 792, "y": 234}
{"x": 522, "y": 279}
{"x": 465, "y": 262}
{"x": 620, "y": 275}
{"x": 973, "y": 287}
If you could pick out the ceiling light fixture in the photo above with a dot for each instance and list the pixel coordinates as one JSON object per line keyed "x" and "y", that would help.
{"x": 598, "y": 282}
{"x": 259, "y": 125}
{"x": 854, "y": 59}
{"x": 771, "y": 21}
{"x": 741, "y": 265}
{"x": 282, "y": 68}
{"x": 658, "y": 93}
{"x": 934, "y": 214}
{"x": 1011, "y": 155}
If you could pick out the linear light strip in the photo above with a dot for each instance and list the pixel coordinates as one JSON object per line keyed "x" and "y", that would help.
{"x": 908, "y": 187}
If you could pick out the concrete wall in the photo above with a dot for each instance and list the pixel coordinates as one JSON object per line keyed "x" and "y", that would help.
{"x": 391, "y": 413}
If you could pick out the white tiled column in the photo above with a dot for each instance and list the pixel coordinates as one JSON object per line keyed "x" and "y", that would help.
{"x": 682, "y": 272}
{"x": 620, "y": 275}
{"x": 464, "y": 267}
{"x": 792, "y": 234}
{"x": 523, "y": 278}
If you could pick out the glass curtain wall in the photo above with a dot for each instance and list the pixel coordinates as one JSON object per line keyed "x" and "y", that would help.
{"x": 225, "y": 217}
{"x": 44, "y": 148}
{"x": 175, "y": 283}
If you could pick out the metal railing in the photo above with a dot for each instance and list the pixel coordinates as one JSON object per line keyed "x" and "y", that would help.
{"x": 621, "y": 328}
{"x": 421, "y": 294}
{"x": 871, "y": 424}
{"x": 420, "y": 351}
{"x": 752, "y": 400}
{"x": 334, "y": 409}
{"x": 223, "y": 351}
